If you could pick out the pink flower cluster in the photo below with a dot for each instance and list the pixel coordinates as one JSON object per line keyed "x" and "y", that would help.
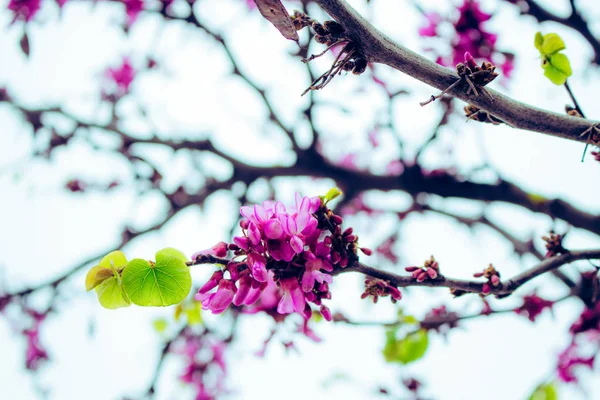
{"x": 470, "y": 36}
{"x": 35, "y": 354}
{"x": 292, "y": 249}
{"x": 24, "y": 9}
{"x": 533, "y": 305}
{"x": 205, "y": 368}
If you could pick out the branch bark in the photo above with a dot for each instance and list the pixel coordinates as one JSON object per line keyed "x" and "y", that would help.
{"x": 378, "y": 48}
{"x": 505, "y": 288}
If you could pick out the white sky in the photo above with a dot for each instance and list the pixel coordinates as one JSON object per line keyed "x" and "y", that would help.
{"x": 47, "y": 230}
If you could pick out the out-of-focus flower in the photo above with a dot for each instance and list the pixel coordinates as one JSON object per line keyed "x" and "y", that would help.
{"x": 470, "y": 35}
{"x": 568, "y": 360}
{"x": 533, "y": 305}
{"x": 122, "y": 76}
{"x": 24, "y": 9}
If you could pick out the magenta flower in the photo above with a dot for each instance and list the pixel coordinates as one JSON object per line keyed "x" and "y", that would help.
{"x": 533, "y": 305}
{"x": 470, "y": 35}
{"x": 24, "y": 9}
{"x": 313, "y": 273}
{"x": 133, "y": 9}
{"x": 293, "y": 297}
{"x": 568, "y": 360}
{"x": 122, "y": 76}
{"x": 217, "y": 302}
{"x": 433, "y": 20}
{"x": 218, "y": 250}
{"x": 589, "y": 320}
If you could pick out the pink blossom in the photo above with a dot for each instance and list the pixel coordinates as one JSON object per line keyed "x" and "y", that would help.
{"x": 293, "y": 297}
{"x": 533, "y": 305}
{"x": 433, "y": 20}
{"x": 123, "y": 75}
{"x": 313, "y": 273}
{"x": 217, "y": 302}
{"x": 133, "y": 8}
{"x": 24, "y": 9}
{"x": 218, "y": 250}
{"x": 568, "y": 360}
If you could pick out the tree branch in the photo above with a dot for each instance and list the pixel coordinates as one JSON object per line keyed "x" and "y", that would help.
{"x": 505, "y": 288}
{"x": 380, "y": 49}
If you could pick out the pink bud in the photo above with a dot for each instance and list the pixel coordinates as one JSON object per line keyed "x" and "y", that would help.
{"x": 486, "y": 288}
{"x": 495, "y": 280}
{"x": 422, "y": 276}
{"x": 432, "y": 273}
{"x": 366, "y": 251}
{"x": 411, "y": 269}
{"x": 478, "y": 274}
{"x": 326, "y": 313}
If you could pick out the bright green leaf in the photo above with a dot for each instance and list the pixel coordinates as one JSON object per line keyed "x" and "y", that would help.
{"x": 545, "y": 391}
{"x": 104, "y": 269}
{"x": 114, "y": 259}
{"x": 406, "y": 350}
{"x": 170, "y": 252}
{"x": 561, "y": 63}
{"x": 164, "y": 283}
{"x": 557, "y": 77}
{"x": 332, "y": 194}
{"x": 552, "y": 43}
{"x": 111, "y": 295}
{"x": 538, "y": 41}
{"x": 96, "y": 276}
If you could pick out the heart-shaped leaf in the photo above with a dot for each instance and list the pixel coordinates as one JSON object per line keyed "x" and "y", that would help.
{"x": 164, "y": 283}
{"x": 545, "y": 391}
{"x": 105, "y": 278}
{"x": 552, "y": 43}
{"x": 406, "y": 350}
{"x": 111, "y": 295}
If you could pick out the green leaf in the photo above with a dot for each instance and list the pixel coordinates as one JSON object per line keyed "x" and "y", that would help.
{"x": 538, "y": 41}
{"x": 557, "y": 77}
{"x": 561, "y": 63}
{"x": 96, "y": 276}
{"x": 171, "y": 252}
{"x": 406, "y": 350}
{"x": 164, "y": 283}
{"x": 111, "y": 295}
{"x": 160, "y": 325}
{"x": 114, "y": 261}
{"x": 545, "y": 391}
{"x": 552, "y": 43}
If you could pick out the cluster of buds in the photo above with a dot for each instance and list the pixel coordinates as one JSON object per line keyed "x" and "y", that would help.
{"x": 554, "y": 245}
{"x": 492, "y": 276}
{"x": 430, "y": 270}
{"x": 379, "y": 288}
{"x": 329, "y": 32}
{"x": 479, "y": 75}
{"x": 477, "y": 114}
{"x": 300, "y": 20}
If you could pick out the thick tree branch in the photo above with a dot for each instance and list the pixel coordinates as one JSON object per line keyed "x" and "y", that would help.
{"x": 380, "y": 49}
{"x": 505, "y": 288}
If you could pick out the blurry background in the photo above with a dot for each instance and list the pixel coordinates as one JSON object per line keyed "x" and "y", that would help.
{"x": 90, "y": 163}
